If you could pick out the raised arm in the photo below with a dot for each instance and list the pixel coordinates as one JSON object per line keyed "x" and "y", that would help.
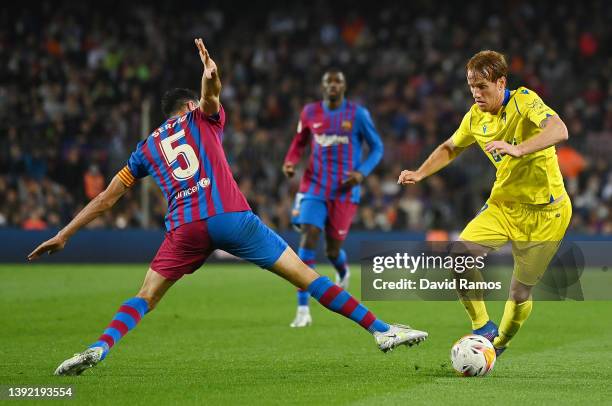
{"x": 444, "y": 154}
{"x": 211, "y": 84}
{"x": 94, "y": 208}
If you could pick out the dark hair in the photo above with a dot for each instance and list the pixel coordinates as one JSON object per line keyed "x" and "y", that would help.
{"x": 333, "y": 70}
{"x": 174, "y": 99}
{"x": 490, "y": 65}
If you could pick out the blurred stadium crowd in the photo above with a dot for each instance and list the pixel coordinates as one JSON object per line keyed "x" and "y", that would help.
{"x": 74, "y": 79}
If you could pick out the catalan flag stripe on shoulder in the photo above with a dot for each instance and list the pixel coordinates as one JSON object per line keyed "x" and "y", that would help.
{"x": 126, "y": 177}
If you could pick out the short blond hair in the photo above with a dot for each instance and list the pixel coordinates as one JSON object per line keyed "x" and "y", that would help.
{"x": 490, "y": 65}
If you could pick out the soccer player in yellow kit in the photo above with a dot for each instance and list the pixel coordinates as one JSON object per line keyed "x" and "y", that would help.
{"x": 528, "y": 204}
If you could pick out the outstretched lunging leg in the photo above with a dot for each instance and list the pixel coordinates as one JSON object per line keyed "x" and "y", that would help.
{"x": 125, "y": 319}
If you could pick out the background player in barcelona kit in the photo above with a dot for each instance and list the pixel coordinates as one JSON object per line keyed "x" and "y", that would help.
{"x": 335, "y": 129}
{"x": 206, "y": 211}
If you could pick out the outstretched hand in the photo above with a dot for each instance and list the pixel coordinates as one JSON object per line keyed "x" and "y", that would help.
{"x": 50, "y": 246}
{"x": 210, "y": 67}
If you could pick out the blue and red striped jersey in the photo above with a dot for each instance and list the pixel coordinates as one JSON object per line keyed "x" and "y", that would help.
{"x": 186, "y": 159}
{"x": 336, "y": 138}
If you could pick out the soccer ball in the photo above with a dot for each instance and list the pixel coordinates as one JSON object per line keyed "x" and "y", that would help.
{"x": 473, "y": 355}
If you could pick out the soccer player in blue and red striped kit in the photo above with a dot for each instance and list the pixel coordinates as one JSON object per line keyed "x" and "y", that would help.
{"x": 335, "y": 129}
{"x": 206, "y": 211}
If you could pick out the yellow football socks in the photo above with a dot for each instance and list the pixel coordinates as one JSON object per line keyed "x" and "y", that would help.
{"x": 477, "y": 311}
{"x": 514, "y": 316}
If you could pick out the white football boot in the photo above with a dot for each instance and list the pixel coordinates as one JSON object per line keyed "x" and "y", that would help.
{"x": 302, "y": 317}
{"x": 80, "y": 362}
{"x": 343, "y": 282}
{"x": 397, "y": 335}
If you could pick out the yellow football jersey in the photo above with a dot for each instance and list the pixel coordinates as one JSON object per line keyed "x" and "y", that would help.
{"x": 533, "y": 178}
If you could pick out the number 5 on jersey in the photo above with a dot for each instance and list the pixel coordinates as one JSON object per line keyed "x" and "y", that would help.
{"x": 171, "y": 154}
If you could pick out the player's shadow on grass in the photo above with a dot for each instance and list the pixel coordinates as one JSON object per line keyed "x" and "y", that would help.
{"x": 435, "y": 370}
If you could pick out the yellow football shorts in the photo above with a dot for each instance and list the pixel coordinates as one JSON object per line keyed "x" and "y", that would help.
{"x": 535, "y": 231}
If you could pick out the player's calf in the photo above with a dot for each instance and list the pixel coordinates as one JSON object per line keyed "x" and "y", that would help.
{"x": 513, "y": 318}
{"x": 472, "y": 299}
{"x": 127, "y": 317}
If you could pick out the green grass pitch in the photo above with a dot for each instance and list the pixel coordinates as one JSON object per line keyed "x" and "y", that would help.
{"x": 222, "y": 336}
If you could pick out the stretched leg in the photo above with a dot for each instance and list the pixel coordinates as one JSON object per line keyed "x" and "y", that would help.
{"x": 182, "y": 252}
{"x": 133, "y": 310}
{"x": 337, "y": 256}
{"x": 125, "y": 319}
{"x": 333, "y": 297}
{"x": 244, "y": 235}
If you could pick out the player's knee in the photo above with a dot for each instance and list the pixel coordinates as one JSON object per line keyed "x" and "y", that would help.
{"x": 463, "y": 256}
{"x": 310, "y": 236}
{"x": 519, "y": 294}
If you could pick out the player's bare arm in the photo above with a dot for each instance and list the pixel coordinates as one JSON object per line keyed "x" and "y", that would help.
{"x": 554, "y": 131}
{"x": 96, "y": 207}
{"x": 211, "y": 84}
{"x": 444, "y": 154}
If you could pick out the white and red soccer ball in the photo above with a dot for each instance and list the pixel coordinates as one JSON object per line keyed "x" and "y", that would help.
{"x": 473, "y": 355}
